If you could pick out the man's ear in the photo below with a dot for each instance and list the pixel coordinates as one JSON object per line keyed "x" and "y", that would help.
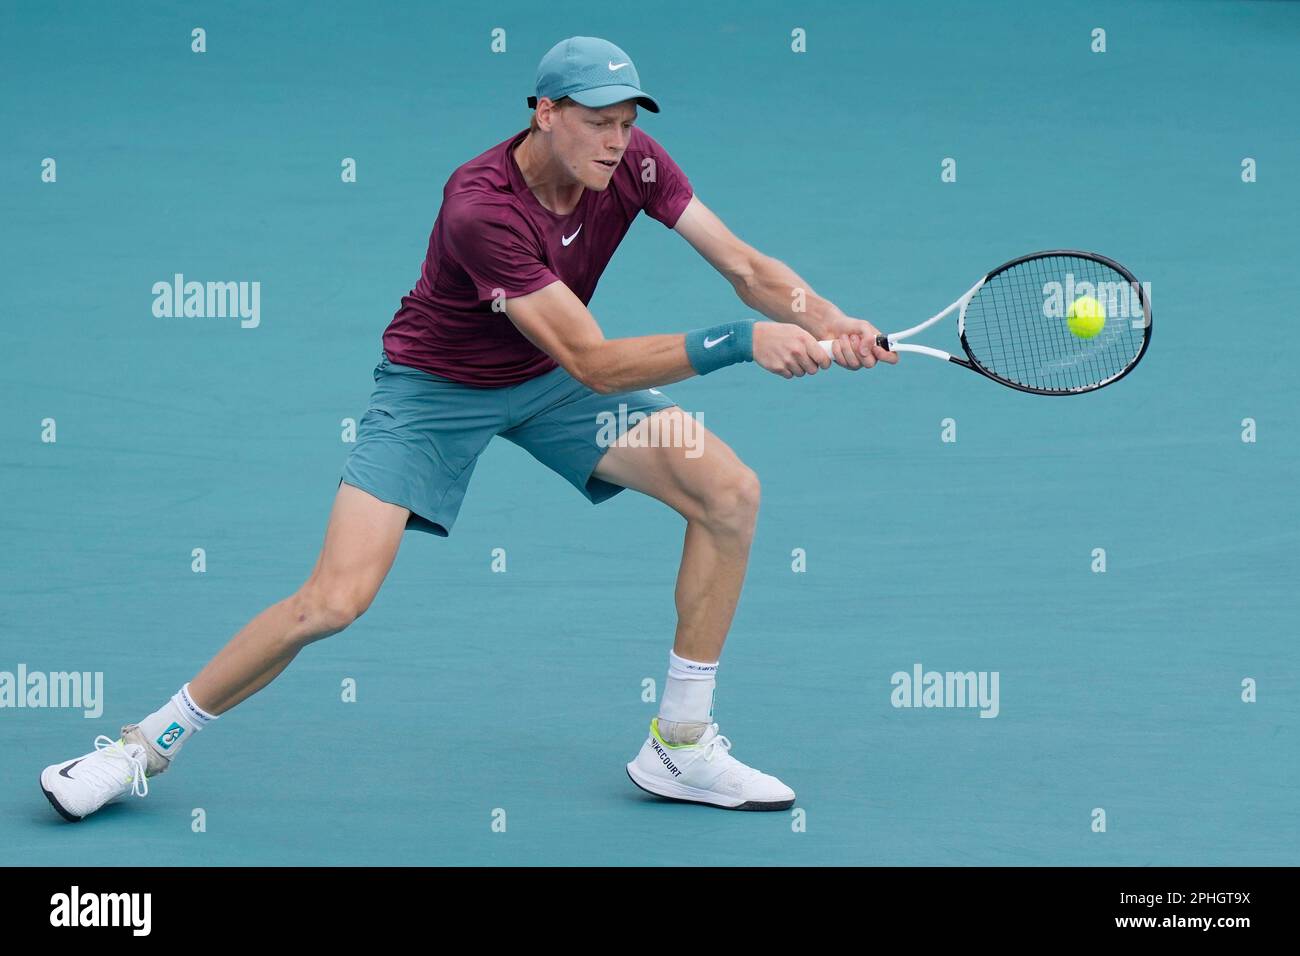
{"x": 552, "y": 113}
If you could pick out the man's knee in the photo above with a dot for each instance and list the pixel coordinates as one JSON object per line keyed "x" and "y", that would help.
{"x": 323, "y": 607}
{"x": 730, "y": 499}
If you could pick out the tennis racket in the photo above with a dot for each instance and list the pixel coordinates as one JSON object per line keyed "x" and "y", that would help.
{"x": 1024, "y": 324}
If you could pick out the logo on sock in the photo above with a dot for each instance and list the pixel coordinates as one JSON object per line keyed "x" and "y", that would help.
{"x": 170, "y": 736}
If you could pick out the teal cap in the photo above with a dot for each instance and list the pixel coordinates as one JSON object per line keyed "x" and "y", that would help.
{"x": 590, "y": 71}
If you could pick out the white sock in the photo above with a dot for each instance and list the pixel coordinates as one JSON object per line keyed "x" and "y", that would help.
{"x": 686, "y": 709}
{"x": 167, "y": 728}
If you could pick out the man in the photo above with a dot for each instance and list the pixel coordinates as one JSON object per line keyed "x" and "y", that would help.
{"x": 496, "y": 339}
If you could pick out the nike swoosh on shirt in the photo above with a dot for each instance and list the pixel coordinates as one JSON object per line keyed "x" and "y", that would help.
{"x": 616, "y": 66}
{"x": 709, "y": 343}
{"x": 568, "y": 239}
{"x": 63, "y": 772}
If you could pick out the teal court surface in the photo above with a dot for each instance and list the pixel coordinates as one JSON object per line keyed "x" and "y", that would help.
{"x": 484, "y": 696}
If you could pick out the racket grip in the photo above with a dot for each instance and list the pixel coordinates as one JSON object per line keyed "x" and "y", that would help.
{"x": 881, "y": 340}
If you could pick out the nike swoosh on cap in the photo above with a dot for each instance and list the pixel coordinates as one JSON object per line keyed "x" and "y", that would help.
{"x": 616, "y": 66}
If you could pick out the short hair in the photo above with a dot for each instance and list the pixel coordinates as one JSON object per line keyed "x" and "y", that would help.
{"x": 561, "y": 103}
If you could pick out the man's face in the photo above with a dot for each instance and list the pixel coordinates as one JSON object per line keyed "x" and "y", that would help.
{"x": 589, "y": 143}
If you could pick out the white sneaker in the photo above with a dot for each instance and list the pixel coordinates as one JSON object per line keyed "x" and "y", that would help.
{"x": 79, "y": 787}
{"x": 705, "y": 772}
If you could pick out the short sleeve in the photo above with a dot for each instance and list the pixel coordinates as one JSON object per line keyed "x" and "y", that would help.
{"x": 665, "y": 189}
{"x": 497, "y": 252}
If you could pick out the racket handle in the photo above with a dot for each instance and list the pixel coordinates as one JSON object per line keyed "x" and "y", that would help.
{"x": 881, "y": 340}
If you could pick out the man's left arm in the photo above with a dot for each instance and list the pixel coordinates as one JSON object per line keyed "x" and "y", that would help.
{"x": 769, "y": 286}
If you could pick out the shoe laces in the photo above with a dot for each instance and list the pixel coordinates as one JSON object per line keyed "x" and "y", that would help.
{"x": 116, "y": 754}
{"x": 721, "y": 744}
{"x": 716, "y": 743}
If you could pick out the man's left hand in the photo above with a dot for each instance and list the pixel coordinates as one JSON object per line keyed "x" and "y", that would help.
{"x": 855, "y": 343}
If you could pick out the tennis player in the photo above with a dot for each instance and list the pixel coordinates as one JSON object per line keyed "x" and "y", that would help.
{"x": 496, "y": 339}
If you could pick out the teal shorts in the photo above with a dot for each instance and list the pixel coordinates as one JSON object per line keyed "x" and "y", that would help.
{"x": 422, "y": 434}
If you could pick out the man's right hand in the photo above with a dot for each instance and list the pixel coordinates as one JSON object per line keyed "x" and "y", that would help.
{"x": 788, "y": 350}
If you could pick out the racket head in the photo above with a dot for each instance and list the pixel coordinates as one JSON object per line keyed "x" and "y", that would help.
{"x": 1014, "y": 324}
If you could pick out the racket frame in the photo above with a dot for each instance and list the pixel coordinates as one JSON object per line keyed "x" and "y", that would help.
{"x": 894, "y": 341}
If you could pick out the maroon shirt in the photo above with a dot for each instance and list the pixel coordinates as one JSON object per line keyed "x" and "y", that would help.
{"x": 492, "y": 237}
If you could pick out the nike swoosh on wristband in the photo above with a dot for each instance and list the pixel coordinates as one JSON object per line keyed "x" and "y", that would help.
{"x": 568, "y": 239}
{"x": 709, "y": 343}
{"x": 614, "y": 66}
{"x": 64, "y": 771}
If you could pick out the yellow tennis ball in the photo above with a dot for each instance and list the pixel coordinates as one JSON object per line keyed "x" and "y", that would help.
{"x": 1086, "y": 317}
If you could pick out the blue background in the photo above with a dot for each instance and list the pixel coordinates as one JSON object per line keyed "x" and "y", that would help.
{"x": 523, "y": 690}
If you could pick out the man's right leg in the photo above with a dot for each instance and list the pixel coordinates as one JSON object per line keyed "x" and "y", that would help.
{"x": 361, "y": 543}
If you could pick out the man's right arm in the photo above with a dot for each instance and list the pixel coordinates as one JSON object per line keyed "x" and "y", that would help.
{"x": 557, "y": 322}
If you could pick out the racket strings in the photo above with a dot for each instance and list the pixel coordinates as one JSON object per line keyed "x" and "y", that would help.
{"x": 1016, "y": 326}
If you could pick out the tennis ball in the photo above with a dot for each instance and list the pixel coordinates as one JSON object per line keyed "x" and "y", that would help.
{"x": 1086, "y": 317}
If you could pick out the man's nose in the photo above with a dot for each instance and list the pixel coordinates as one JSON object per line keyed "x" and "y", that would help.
{"x": 619, "y": 141}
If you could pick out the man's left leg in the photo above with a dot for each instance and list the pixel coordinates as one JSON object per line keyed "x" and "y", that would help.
{"x": 718, "y": 495}
{"x": 665, "y": 453}
{"x": 704, "y": 481}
